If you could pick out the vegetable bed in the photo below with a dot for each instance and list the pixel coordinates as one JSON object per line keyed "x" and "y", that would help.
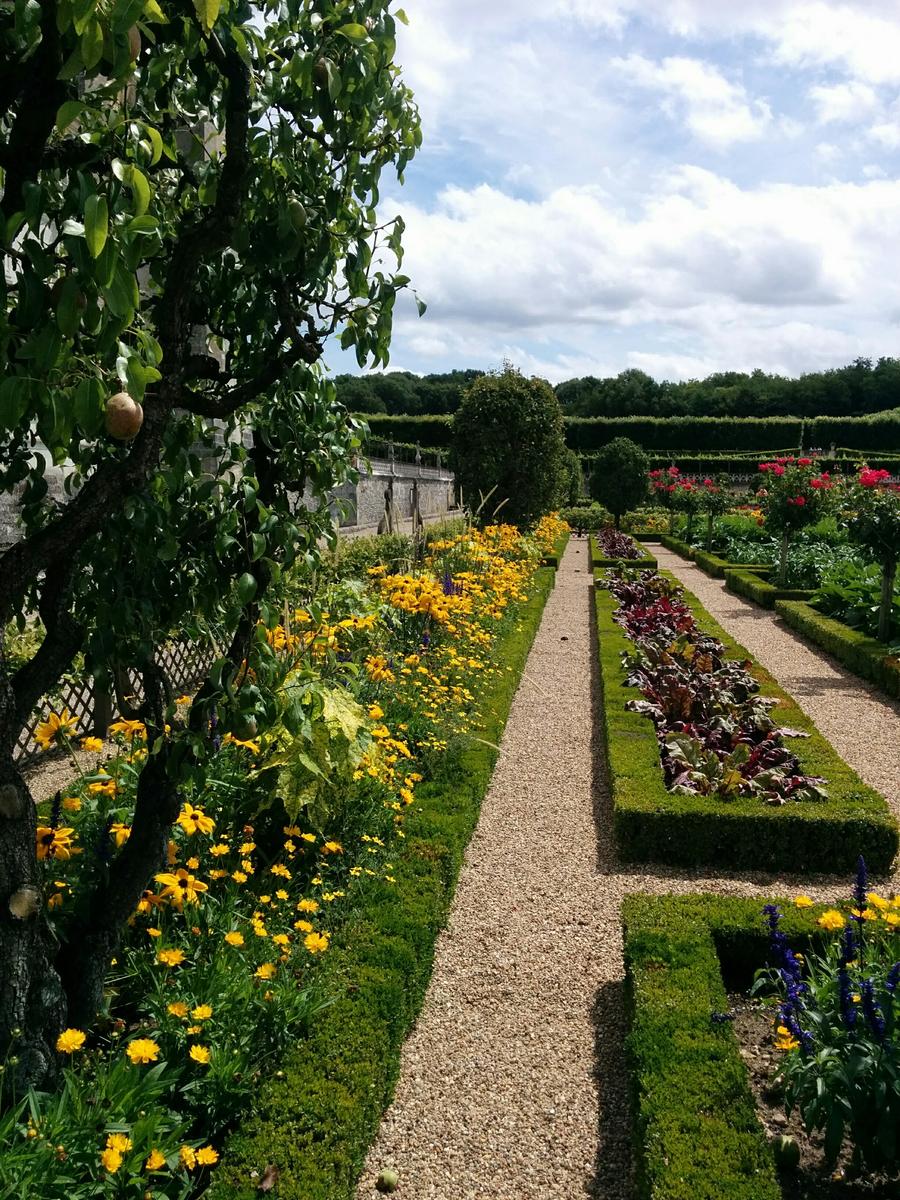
{"x": 653, "y": 824}
{"x": 644, "y": 560}
{"x": 696, "y": 1131}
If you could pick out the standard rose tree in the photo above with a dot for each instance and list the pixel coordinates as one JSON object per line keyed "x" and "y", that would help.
{"x": 796, "y": 495}
{"x": 875, "y": 526}
{"x": 189, "y": 212}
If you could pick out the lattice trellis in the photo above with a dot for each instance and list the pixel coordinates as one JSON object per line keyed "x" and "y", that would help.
{"x": 184, "y": 665}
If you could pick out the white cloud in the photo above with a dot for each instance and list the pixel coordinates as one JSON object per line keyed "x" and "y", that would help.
{"x": 706, "y": 275}
{"x": 716, "y": 111}
{"x": 842, "y": 102}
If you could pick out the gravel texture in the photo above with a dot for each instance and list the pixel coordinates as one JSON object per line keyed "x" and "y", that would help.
{"x": 52, "y": 771}
{"x": 512, "y": 1084}
{"x": 860, "y": 722}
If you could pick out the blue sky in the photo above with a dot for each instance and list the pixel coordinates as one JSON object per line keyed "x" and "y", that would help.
{"x": 678, "y": 185}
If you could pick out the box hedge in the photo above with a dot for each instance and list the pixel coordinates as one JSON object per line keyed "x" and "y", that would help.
{"x": 696, "y": 1132}
{"x": 652, "y": 824}
{"x": 645, "y": 562}
{"x": 315, "y": 1118}
{"x": 752, "y": 585}
{"x": 863, "y": 655}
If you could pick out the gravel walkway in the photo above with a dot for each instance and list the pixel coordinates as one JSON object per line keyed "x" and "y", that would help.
{"x": 512, "y": 1084}
{"x": 859, "y": 721}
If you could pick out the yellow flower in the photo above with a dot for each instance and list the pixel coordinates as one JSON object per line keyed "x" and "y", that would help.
{"x": 238, "y": 876}
{"x": 111, "y": 1160}
{"x": 206, "y": 1156}
{"x": 281, "y": 870}
{"x": 55, "y": 843}
{"x": 303, "y": 926}
{"x": 803, "y": 902}
{"x": 177, "y": 1008}
{"x": 234, "y": 938}
{"x": 72, "y": 804}
{"x": 108, "y": 788}
{"x": 194, "y": 820}
{"x": 170, "y": 958}
{"x": 308, "y": 837}
{"x": 281, "y": 939}
{"x": 155, "y": 1161}
{"x": 119, "y": 1141}
{"x": 332, "y": 848}
{"x": 376, "y": 712}
{"x": 188, "y": 1157}
{"x": 142, "y": 1050}
{"x": 219, "y": 849}
{"x": 316, "y": 943}
{"x": 93, "y": 745}
{"x": 309, "y": 906}
{"x": 200, "y": 1054}
{"x": 878, "y": 901}
{"x": 831, "y": 919}
{"x": 120, "y": 832}
{"x": 202, "y": 1012}
{"x": 56, "y": 726}
{"x": 69, "y": 1041}
{"x": 266, "y": 971}
{"x": 153, "y": 932}
{"x": 129, "y": 729}
{"x": 181, "y": 887}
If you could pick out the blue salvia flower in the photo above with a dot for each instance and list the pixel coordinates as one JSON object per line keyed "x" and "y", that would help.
{"x": 848, "y": 947}
{"x": 426, "y": 639}
{"x": 214, "y": 735}
{"x": 861, "y": 887}
{"x": 871, "y": 1009}
{"x": 781, "y": 950}
{"x": 848, "y": 1008}
{"x": 893, "y": 979}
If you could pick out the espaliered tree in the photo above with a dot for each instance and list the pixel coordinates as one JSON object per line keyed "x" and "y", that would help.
{"x": 875, "y": 526}
{"x": 189, "y": 212}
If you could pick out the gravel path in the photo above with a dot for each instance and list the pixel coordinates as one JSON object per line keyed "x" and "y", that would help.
{"x": 859, "y": 721}
{"x": 512, "y": 1084}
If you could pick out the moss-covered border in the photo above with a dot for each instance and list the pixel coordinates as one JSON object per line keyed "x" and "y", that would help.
{"x": 752, "y": 585}
{"x": 864, "y": 656}
{"x": 696, "y": 1133}
{"x": 653, "y": 825}
{"x": 315, "y": 1118}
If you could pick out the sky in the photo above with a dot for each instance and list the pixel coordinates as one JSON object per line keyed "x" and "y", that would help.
{"x": 682, "y": 186}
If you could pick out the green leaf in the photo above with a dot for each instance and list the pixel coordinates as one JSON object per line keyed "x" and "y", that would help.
{"x": 156, "y": 142}
{"x": 421, "y": 306}
{"x": 96, "y": 224}
{"x": 13, "y": 401}
{"x": 89, "y": 406}
{"x": 207, "y": 11}
{"x": 152, "y": 12}
{"x": 91, "y": 44}
{"x": 68, "y": 112}
{"x": 140, "y": 188}
{"x": 355, "y": 33}
{"x": 246, "y": 588}
{"x": 258, "y": 546}
{"x": 401, "y": 16}
{"x": 69, "y": 306}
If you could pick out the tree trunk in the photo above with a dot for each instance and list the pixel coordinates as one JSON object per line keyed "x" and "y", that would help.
{"x": 885, "y": 613}
{"x": 709, "y": 531}
{"x": 782, "y": 558}
{"x": 31, "y": 997}
{"x": 618, "y": 520}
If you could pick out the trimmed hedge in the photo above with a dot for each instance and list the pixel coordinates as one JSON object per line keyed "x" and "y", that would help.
{"x": 677, "y": 546}
{"x": 645, "y": 562}
{"x": 654, "y": 825}
{"x": 752, "y": 585}
{"x": 694, "y": 436}
{"x": 316, "y": 1117}
{"x": 696, "y": 1134}
{"x": 863, "y": 655}
{"x": 555, "y": 558}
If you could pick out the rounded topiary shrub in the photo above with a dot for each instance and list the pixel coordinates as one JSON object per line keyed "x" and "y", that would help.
{"x": 619, "y": 479}
{"x": 509, "y": 447}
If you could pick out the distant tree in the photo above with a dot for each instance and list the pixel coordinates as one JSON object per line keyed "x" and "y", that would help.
{"x": 573, "y": 488}
{"x": 508, "y": 439}
{"x": 620, "y": 477}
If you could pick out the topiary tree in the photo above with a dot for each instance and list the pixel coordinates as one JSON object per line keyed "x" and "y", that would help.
{"x": 573, "y": 482}
{"x": 188, "y": 209}
{"x": 508, "y": 441}
{"x": 796, "y": 495}
{"x": 714, "y": 501}
{"x": 619, "y": 479}
{"x": 876, "y": 527}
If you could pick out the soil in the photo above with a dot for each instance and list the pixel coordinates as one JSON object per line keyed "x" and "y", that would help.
{"x": 811, "y": 1180}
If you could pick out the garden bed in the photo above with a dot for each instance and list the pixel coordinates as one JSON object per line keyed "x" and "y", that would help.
{"x": 653, "y": 824}
{"x": 599, "y": 561}
{"x": 314, "y": 1119}
{"x": 555, "y": 557}
{"x": 703, "y": 1109}
{"x": 864, "y": 656}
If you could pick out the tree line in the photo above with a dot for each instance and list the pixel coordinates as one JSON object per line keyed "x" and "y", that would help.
{"x": 861, "y": 387}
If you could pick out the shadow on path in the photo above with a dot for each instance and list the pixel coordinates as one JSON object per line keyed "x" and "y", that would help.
{"x": 614, "y": 1171}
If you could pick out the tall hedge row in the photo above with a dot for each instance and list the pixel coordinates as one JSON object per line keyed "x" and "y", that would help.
{"x": 680, "y": 435}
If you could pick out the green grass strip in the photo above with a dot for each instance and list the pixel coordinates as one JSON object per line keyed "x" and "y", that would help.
{"x": 653, "y": 825}
{"x": 316, "y": 1117}
{"x": 696, "y": 1133}
{"x": 863, "y": 655}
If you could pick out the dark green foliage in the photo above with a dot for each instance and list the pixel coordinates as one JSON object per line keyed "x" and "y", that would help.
{"x": 315, "y": 1120}
{"x": 752, "y": 585}
{"x": 677, "y": 546}
{"x": 573, "y": 490}
{"x": 586, "y": 518}
{"x": 654, "y": 825}
{"x": 402, "y": 393}
{"x": 508, "y": 442}
{"x": 696, "y": 1132}
{"x": 862, "y": 655}
{"x": 619, "y": 477}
